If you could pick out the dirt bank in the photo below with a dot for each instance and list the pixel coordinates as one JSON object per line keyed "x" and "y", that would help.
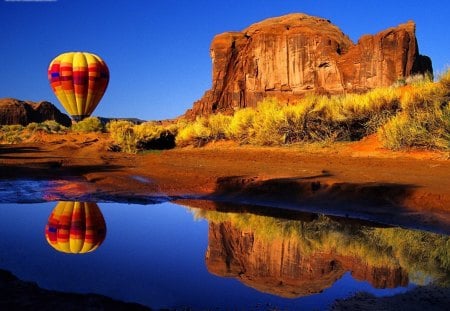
{"x": 355, "y": 179}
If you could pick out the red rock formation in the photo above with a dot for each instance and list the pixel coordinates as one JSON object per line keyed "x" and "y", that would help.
{"x": 282, "y": 268}
{"x": 289, "y": 56}
{"x": 14, "y": 111}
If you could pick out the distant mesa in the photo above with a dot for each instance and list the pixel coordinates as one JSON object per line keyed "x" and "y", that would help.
{"x": 14, "y": 111}
{"x": 289, "y": 56}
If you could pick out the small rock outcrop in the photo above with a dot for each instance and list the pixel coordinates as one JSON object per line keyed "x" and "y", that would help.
{"x": 14, "y": 111}
{"x": 292, "y": 55}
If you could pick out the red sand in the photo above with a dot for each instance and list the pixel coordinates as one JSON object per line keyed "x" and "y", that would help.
{"x": 348, "y": 179}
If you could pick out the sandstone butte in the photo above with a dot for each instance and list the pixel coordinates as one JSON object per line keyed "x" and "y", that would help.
{"x": 289, "y": 56}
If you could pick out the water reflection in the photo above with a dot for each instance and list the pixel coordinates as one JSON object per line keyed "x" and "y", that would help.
{"x": 297, "y": 254}
{"x": 75, "y": 227}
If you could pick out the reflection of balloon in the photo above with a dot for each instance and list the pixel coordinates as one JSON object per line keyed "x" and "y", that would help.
{"x": 79, "y": 81}
{"x": 75, "y": 227}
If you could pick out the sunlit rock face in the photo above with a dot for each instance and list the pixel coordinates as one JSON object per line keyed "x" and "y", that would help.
{"x": 292, "y": 55}
{"x": 282, "y": 266}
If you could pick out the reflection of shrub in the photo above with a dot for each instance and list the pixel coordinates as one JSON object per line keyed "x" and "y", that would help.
{"x": 421, "y": 254}
{"x": 88, "y": 125}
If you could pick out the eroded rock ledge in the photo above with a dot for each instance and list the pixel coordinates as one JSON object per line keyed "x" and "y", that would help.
{"x": 292, "y": 55}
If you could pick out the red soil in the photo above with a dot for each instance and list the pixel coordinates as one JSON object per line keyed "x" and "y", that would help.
{"x": 355, "y": 179}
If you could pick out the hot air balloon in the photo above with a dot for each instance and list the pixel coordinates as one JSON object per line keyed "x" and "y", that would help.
{"x": 75, "y": 227}
{"x": 79, "y": 80}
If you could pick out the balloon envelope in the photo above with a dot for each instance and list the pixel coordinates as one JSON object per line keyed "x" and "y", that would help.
{"x": 79, "y": 80}
{"x": 75, "y": 227}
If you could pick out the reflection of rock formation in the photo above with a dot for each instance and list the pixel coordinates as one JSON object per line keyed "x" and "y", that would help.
{"x": 75, "y": 227}
{"x": 282, "y": 267}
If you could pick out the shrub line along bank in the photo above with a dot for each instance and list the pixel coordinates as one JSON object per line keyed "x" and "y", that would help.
{"x": 413, "y": 114}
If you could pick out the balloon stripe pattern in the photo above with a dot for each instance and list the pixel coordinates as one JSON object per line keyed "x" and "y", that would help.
{"x": 75, "y": 227}
{"x": 79, "y": 80}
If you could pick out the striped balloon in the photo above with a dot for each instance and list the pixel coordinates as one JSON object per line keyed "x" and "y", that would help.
{"x": 79, "y": 80}
{"x": 75, "y": 227}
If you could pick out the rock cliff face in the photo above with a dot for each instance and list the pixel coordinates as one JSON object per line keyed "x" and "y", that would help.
{"x": 280, "y": 267}
{"x": 14, "y": 111}
{"x": 289, "y": 56}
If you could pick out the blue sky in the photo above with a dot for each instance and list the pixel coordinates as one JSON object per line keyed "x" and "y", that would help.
{"x": 158, "y": 51}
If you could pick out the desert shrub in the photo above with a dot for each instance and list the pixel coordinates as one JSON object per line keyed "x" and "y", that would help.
{"x": 151, "y": 135}
{"x": 123, "y": 135}
{"x": 294, "y": 128}
{"x": 219, "y": 126}
{"x": 88, "y": 125}
{"x": 241, "y": 125}
{"x": 49, "y": 126}
{"x": 203, "y": 130}
{"x": 196, "y": 133}
{"x": 11, "y": 134}
{"x": 32, "y": 127}
{"x": 52, "y": 126}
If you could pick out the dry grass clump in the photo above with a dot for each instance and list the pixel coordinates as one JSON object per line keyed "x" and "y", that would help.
{"x": 424, "y": 119}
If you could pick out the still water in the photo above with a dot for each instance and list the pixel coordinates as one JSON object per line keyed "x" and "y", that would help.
{"x": 173, "y": 256}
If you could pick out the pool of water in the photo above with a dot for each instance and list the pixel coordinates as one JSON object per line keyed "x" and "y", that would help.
{"x": 215, "y": 257}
